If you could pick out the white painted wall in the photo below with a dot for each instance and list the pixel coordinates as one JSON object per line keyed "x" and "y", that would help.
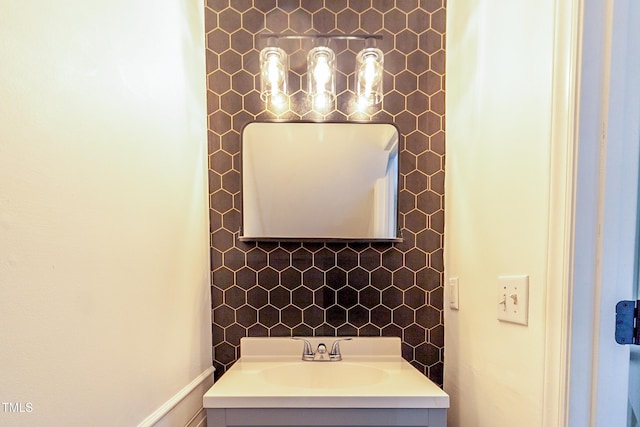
{"x": 104, "y": 289}
{"x": 499, "y": 95}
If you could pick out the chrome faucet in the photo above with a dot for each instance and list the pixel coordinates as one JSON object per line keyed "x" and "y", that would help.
{"x": 320, "y": 355}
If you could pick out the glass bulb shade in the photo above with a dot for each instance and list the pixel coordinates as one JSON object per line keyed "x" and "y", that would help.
{"x": 321, "y": 77}
{"x": 273, "y": 75}
{"x": 369, "y": 73}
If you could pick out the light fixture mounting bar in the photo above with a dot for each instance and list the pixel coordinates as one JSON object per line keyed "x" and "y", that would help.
{"x": 321, "y": 36}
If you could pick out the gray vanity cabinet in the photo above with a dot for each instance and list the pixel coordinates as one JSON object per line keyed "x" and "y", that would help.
{"x": 307, "y": 417}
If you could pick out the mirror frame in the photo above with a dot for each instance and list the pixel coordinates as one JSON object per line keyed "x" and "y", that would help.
{"x": 398, "y": 232}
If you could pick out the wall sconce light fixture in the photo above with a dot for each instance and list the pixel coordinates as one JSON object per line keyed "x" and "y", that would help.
{"x": 321, "y": 72}
{"x": 273, "y": 76}
{"x": 321, "y": 77}
{"x": 369, "y": 72}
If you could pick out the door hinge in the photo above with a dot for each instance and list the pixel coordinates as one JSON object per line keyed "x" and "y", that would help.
{"x": 627, "y": 327}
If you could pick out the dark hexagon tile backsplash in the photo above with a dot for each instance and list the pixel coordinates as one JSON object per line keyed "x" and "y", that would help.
{"x": 364, "y": 289}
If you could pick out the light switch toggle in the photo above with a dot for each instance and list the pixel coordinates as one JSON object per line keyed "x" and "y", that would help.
{"x": 513, "y": 299}
{"x": 453, "y": 291}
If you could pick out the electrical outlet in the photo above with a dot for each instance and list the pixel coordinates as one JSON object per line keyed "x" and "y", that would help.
{"x": 513, "y": 299}
{"x": 453, "y": 293}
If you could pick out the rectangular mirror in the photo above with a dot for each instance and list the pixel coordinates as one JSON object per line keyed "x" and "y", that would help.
{"x": 320, "y": 181}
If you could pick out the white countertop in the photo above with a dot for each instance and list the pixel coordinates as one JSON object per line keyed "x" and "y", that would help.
{"x": 269, "y": 376}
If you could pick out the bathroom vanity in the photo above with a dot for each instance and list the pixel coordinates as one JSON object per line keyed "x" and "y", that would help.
{"x": 270, "y": 385}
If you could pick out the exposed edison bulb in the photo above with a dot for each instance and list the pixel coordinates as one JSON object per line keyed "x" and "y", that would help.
{"x": 321, "y": 77}
{"x": 275, "y": 70}
{"x": 369, "y": 73}
{"x": 322, "y": 71}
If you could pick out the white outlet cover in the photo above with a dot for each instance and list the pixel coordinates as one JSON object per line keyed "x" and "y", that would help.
{"x": 513, "y": 299}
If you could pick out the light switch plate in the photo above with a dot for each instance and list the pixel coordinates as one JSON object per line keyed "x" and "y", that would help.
{"x": 453, "y": 293}
{"x": 513, "y": 299}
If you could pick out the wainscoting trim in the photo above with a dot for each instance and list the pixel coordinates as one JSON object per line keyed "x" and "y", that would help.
{"x": 169, "y": 411}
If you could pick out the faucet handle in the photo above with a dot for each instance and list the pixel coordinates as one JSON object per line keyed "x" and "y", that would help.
{"x": 307, "y": 353}
{"x": 334, "y": 354}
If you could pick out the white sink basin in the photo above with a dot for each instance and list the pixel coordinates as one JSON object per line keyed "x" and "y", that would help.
{"x": 324, "y": 375}
{"x": 372, "y": 374}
